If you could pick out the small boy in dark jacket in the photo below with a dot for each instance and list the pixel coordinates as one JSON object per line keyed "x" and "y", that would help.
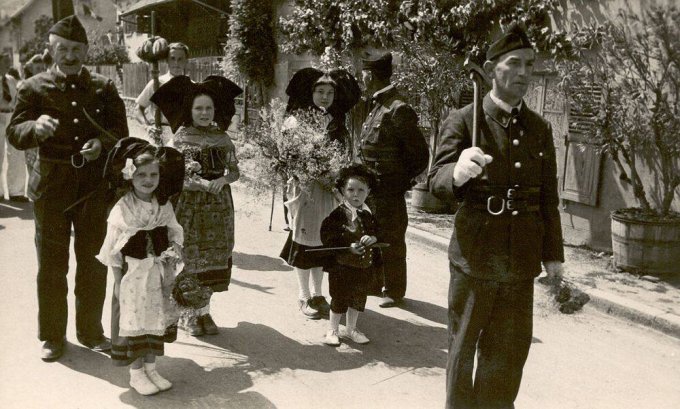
{"x": 351, "y": 271}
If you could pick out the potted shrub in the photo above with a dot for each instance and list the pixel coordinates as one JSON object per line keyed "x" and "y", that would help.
{"x": 635, "y": 62}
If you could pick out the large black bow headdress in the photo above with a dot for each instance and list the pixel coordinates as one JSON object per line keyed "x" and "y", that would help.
{"x": 301, "y": 87}
{"x": 170, "y": 160}
{"x": 175, "y": 98}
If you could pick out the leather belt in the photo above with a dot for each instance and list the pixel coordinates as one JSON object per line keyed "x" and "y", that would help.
{"x": 497, "y": 200}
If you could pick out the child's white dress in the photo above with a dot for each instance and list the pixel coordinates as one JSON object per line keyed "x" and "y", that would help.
{"x": 143, "y": 309}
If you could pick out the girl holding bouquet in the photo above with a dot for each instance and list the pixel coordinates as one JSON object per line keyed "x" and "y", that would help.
{"x": 331, "y": 94}
{"x": 142, "y": 250}
{"x": 205, "y": 207}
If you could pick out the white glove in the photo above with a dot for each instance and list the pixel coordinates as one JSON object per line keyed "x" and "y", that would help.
{"x": 470, "y": 165}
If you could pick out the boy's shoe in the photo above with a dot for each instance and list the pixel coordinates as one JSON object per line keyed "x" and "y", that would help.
{"x": 355, "y": 335}
{"x": 140, "y": 382}
{"x": 320, "y": 304}
{"x": 332, "y": 338}
{"x": 193, "y": 326}
{"x": 209, "y": 326}
{"x": 307, "y": 310}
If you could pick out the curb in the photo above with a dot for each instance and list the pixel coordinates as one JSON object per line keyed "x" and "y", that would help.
{"x": 608, "y": 303}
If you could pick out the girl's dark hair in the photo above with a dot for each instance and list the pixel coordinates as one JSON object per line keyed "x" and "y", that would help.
{"x": 357, "y": 171}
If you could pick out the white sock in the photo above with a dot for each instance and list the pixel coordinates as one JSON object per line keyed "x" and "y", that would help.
{"x": 352, "y": 316}
{"x": 317, "y": 281}
{"x": 303, "y": 283}
{"x": 335, "y": 320}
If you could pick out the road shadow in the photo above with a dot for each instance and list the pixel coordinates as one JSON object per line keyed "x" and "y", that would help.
{"x": 429, "y": 311}
{"x": 259, "y": 262}
{"x": 251, "y": 286}
{"x": 213, "y": 387}
{"x": 394, "y": 342}
{"x": 21, "y": 210}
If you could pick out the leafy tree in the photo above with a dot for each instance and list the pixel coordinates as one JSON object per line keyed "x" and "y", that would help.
{"x": 38, "y": 43}
{"x": 107, "y": 54}
{"x": 251, "y": 48}
{"x": 635, "y": 62}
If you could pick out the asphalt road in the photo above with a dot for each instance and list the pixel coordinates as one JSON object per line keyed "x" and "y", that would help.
{"x": 268, "y": 356}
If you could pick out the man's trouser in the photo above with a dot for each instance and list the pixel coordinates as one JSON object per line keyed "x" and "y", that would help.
{"x": 390, "y": 213}
{"x": 63, "y": 186}
{"x": 493, "y": 320}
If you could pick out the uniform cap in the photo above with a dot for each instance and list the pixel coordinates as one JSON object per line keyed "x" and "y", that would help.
{"x": 514, "y": 39}
{"x": 70, "y": 29}
{"x": 381, "y": 62}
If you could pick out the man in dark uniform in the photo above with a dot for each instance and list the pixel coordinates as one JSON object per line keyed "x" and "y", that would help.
{"x": 507, "y": 226}
{"x": 66, "y": 182}
{"x": 394, "y": 147}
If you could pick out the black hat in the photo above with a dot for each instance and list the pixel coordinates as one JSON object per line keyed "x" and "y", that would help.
{"x": 381, "y": 62}
{"x": 170, "y": 160}
{"x": 175, "y": 97}
{"x": 70, "y": 29}
{"x": 514, "y": 39}
{"x": 300, "y": 90}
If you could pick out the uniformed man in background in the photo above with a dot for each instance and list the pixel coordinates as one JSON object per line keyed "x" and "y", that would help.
{"x": 66, "y": 184}
{"x": 391, "y": 144}
{"x": 508, "y": 225}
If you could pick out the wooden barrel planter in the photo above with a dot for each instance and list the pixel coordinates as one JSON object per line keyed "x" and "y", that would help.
{"x": 650, "y": 247}
{"x": 424, "y": 201}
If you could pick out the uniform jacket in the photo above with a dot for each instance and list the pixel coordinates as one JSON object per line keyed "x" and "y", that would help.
{"x": 63, "y": 98}
{"x": 508, "y": 246}
{"x": 391, "y": 143}
{"x": 338, "y": 230}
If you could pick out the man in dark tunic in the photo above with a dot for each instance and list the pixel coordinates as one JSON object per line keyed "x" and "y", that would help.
{"x": 66, "y": 182}
{"x": 507, "y": 226}
{"x": 391, "y": 143}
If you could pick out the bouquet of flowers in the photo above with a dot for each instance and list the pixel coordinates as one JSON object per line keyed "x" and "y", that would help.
{"x": 191, "y": 165}
{"x": 189, "y": 292}
{"x": 294, "y": 147}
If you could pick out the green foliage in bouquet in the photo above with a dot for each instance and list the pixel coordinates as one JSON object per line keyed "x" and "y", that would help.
{"x": 284, "y": 147}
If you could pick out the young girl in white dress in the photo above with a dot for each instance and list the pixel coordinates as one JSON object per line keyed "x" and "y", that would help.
{"x": 142, "y": 250}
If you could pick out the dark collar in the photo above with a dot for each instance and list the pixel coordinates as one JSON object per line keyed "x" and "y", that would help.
{"x": 501, "y": 116}
{"x": 81, "y": 81}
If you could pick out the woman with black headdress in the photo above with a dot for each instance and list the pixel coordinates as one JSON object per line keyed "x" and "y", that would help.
{"x": 205, "y": 208}
{"x": 333, "y": 94}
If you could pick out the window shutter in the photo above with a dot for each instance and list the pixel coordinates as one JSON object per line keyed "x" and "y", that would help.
{"x": 581, "y": 114}
{"x": 582, "y": 160}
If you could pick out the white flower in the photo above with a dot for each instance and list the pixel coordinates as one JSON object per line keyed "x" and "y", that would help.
{"x": 129, "y": 169}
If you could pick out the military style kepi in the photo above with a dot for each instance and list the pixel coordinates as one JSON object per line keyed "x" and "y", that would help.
{"x": 514, "y": 39}
{"x": 70, "y": 29}
{"x": 381, "y": 62}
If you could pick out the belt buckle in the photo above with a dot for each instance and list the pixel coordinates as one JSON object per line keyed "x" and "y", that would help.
{"x": 489, "y": 202}
{"x": 74, "y": 160}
